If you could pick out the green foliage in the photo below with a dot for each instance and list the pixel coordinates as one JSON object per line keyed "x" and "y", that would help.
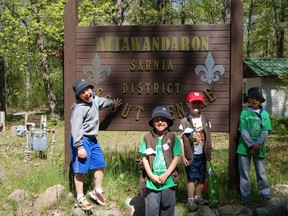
{"x": 284, "y": 79}
{"x": 23, "y": 78}
{"x": 268, "y": 19}
{"x": 141, "y": 15}
{"x": 280, "y": 125}
{"x": 96, "y": 13}
{"x": 21, "y": 21}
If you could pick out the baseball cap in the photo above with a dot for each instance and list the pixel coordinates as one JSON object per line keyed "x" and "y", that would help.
{"x": 195, "y": 96}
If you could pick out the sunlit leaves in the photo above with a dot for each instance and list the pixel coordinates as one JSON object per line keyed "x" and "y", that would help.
{"x": 268, "y": 17}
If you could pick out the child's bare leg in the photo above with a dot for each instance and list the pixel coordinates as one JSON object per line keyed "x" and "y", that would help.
{"x": 192, "y": 206}
{"x": 98, "y": 193}
{"x": 190, "y": 189}
{"x": 98, "y": 177}
{"x": 78, "y": 180}
{"x": 198, "y": 189}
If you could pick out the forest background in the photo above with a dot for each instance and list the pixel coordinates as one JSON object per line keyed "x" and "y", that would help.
{"x": 32, "y": 38}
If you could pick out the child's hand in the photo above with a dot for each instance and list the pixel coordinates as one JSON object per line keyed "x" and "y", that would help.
{"x": 155, "y": 179}
{"x": 255, "y": 149}
{"x": 140, "y": 163}
{"x": 184, "y": 161}
{"x": 82, "y": 153}
{"x": 117, "y": 102}
{"x": 162, "y": 178}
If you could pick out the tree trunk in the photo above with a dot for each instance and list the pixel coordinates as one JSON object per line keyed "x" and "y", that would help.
{"x": 2, "y": 67}
{"x": 183, "y": 12}
{"x": 119, "y": 12}
{"x": 279, "y": 29}
{"x": 226, "y": 11}
{"x": 249, "y": 28}
{"x": 161, "y": 8}
{"x": 44, "y": 66}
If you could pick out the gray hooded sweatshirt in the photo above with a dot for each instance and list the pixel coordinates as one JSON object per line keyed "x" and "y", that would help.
{"x": 85, "y": 118}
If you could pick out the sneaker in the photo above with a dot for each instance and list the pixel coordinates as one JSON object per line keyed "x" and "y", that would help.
{"x": 266, "y": 197}
{"x": 98, "y": 197}
{"x": 192, "y": 206}
{"x": 245, "y": 200}
{"x": 201, "y": 201}
{"x": 83, "y": 203}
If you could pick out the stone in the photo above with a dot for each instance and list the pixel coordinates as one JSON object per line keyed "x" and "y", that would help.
{"x": 50, "y": 198}
{"x": 268, "y": 210}
{"x": 230, "y": 210}
{"x": 18, "y": 195}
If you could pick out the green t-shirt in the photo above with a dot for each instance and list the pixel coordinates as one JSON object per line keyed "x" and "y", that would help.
{"x": 254, "y": 123}
{"x": 159, "y": 164}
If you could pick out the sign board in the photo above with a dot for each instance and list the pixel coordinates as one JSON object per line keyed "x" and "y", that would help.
{"x": 148, "y": 66}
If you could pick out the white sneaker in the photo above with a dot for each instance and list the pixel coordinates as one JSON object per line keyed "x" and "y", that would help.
{"x": 83, "y": 203}
{"x": 98, "y": 197}
{"x": 192, "y": 206}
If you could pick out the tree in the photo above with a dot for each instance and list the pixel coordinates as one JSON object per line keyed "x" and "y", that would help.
{"x": 33, "y": 41}
{"x": 31, "y": 37}
{"x": 43, "y": 61}
{"x": 267, "y": 21}
{"x": 2, "y": 66}
{"x": 249, "y": 27}
{"x": 280, "y": 16}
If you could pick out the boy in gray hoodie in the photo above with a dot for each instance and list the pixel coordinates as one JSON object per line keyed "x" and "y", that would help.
{"x": 85, "y": 148}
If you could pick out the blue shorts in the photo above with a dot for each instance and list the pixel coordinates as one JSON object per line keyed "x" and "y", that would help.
{"x": 94, "y": 160}
{"x": 197, "y": 170}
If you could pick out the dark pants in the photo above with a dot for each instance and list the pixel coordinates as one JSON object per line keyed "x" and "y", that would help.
{"x": 160, "y": 202}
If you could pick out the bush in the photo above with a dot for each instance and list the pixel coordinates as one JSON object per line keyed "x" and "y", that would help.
{"x": 279, "y": 124}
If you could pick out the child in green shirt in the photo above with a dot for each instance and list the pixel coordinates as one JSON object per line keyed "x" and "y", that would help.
{"x": 254, "y": 125}
{"x": 160, "y": 151}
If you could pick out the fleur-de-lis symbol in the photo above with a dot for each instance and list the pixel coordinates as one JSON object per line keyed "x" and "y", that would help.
{"x": 209, "y": 70}
{"x": 96, "y": 73}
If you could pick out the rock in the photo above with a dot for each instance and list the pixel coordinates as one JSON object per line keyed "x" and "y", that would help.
{"x": 274, "y": 210}
{"x": 78, "y": 212}
{"x": 18, "y": 195}
{"x": 279, "y": 189}
{"x": 50, "y": 198}
{"x": 281, "y": 201}
{"x": 204, "y": 211}
{"x": 230, "y": 210}
{"x": 104, "y": 212}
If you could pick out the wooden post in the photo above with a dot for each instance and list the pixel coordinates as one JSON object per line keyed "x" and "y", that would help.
{"x": 237, "y": 19}
{"x": 2, "y": 121}
{"x": 70, "y": 22}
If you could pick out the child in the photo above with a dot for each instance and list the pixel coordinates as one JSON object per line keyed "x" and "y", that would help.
{"x": 196, "y": 148}
{"x": 85, "y": 149}
{"x": 254, "y": 125}
{"x": 160, "y": 151}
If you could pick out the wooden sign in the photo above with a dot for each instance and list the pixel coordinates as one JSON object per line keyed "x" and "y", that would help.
{"x": 148, "y": 66}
